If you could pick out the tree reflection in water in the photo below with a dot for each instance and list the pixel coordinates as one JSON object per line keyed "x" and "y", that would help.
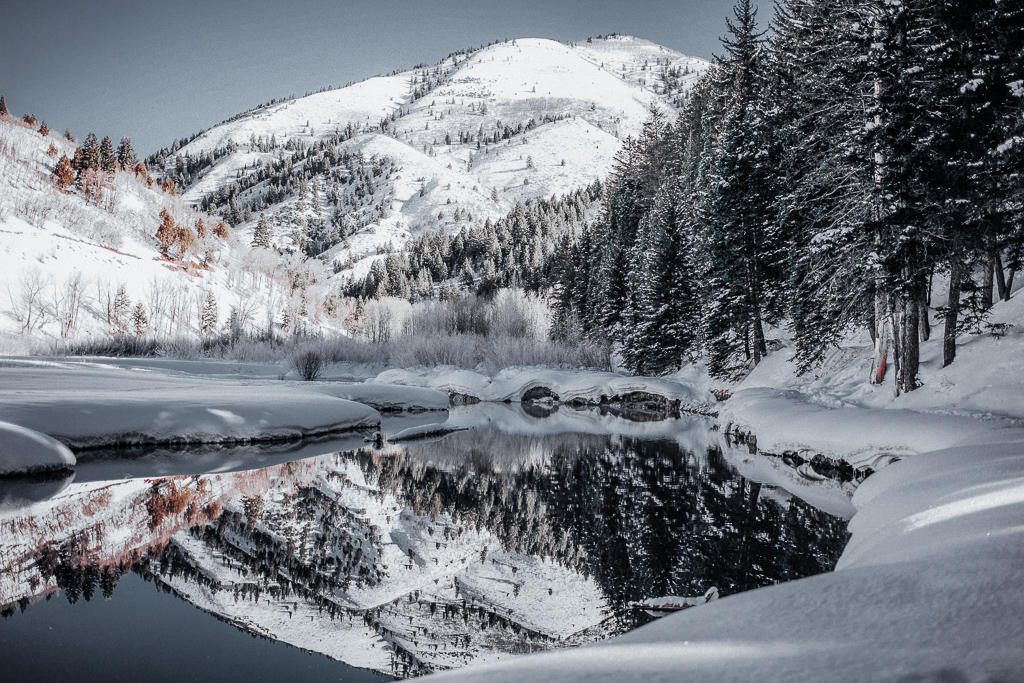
{"x": 429, "y": 556}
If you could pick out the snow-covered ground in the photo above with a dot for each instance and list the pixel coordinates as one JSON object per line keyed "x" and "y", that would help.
{"x": 834, "y": 411}
{"x": 73, "y": 267}
{"x": 91, "y": 406}
{"x": 928, "y": 588}
{"x": 568, "y": 386}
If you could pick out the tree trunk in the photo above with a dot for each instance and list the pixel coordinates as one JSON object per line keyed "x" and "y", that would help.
{"x": 1000, "y": 278}
{"x": 952, "y": 313}
{"x": 909, "y": 345}
{"x": 1009, "y": 283}
{"x": 760, "y": 347}
{"x": 882, "y": 333}
{"x": 924, "y": 325}
{"x": 986, "y": 282}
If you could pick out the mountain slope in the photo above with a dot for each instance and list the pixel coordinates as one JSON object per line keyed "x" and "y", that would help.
{"x": 471, "y": 136}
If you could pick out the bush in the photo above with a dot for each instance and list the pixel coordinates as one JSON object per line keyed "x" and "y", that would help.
{"x": 308, "y": 363}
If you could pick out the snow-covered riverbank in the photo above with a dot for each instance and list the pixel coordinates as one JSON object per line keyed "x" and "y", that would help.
{"x": 88, "y": 406}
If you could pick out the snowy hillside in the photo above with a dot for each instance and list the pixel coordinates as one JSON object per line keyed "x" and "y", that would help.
{"x": 464, "y": 141}
{"x": 89, "y": 262}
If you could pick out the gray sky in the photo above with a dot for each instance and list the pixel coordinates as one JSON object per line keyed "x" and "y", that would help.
{"x": 156, "y": 71}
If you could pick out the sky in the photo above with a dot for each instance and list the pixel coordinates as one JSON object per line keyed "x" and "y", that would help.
{"x": 158, "y": 71}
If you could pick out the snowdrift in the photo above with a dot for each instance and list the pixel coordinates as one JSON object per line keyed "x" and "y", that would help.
{"x": 89, "y": 407}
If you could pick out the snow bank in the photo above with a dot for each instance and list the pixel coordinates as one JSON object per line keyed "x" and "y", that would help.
{"x": 787, "y": 420}
{"x": 566, "y": 386}
{"x": 383, "y": 397}
{"x": 88, "y": 407}
{"x": 428, "y": 431}
{"x": 834, "y": 411}
{"x": 927, "y": 590}
{"x": 24, "y": 451}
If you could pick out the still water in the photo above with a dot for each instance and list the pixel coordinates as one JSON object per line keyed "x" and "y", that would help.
{"x": 343, "y": 561}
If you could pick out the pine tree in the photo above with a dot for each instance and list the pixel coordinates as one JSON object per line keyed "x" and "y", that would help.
{"x": 825, "y": 198}
{"x": 208, "y": 318}
{"x": 140, "y": 321}
{"x": 263, "y": 234}
{"x": 743, "y": 249}
{"x": 108, "y": 161}
{"x": 43, "y": 129}
{"x": 63, "y": 175}
{"x": 3, "y": 107}
{"x": 90, "y": 154}
{"x": 126, "y": 158}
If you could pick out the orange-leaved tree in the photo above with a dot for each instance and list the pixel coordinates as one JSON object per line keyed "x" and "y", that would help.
{"x": 63, "y": 175}
{"x": 167, "y": 233}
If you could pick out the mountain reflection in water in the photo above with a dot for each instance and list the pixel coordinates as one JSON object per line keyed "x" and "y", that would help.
{"x": 522, "y": 534}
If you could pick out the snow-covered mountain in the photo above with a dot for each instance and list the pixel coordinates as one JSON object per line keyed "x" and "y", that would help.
{"x": 447, "y": 146}
{"x": 339, "y": 174}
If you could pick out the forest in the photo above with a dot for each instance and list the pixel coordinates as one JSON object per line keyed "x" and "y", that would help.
{"x": 838, "y": 167}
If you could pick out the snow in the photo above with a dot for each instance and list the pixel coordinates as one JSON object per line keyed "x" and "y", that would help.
{"x": 88, "y": 407}
{"x": 436, "y": 429}
{"x": 568, "y": 385}
{"x": 53, "y": 244}
{"x": 864, "y": 437}
{"x": 24, "y": 451}
{"x": 362, "y": 103}
{"x": 384, "y": 397}
{"x": 601, "y": 92}
{"x": 835, "y": 412}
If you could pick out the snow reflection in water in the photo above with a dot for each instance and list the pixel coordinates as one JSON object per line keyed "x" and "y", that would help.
{"x": 525, "y": 533}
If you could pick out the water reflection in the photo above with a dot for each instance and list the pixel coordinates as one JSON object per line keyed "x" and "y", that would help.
{"x": 525, "y": 533}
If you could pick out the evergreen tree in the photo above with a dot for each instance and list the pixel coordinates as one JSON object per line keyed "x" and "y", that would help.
{"x": 140, "y": 321}
{"x": 208, "y": 317}
{"x": 108, "y": 161}
{"x": 742, "y": 247}
{"x": 261, "y": 237}
{"x": 126, "y": 158}
{"x": 3, "y": 107}
{"x": 90, "y": 154}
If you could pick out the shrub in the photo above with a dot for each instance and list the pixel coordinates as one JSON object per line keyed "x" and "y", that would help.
{"x": 308, "y": 363}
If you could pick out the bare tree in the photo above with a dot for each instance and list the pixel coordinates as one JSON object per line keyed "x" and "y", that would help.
{"x": 67, "y": 302}
{"x": 27, "y": 304}
{"x": 156, "y": 303}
